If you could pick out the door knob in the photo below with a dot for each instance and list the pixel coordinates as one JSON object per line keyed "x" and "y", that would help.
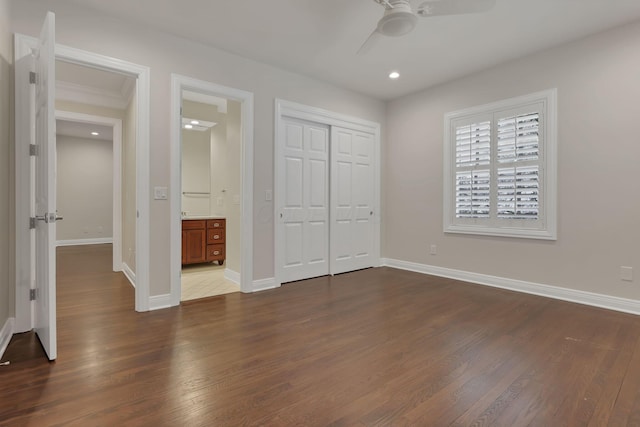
{"x": 49, "y": 218}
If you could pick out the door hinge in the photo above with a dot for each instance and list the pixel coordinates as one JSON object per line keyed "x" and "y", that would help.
{"x": 32, "y": 77}
{"x": 32, "y": 294}
{"x": 32, "y": 223}
{"x": 33, "y": 150}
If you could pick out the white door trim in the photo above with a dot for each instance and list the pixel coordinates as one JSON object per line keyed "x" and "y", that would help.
{"x": 178, "y": 84}
{"x": 116, "y": 124}
{"x": 317, "y": 115}
{"x": 23, "y": 46}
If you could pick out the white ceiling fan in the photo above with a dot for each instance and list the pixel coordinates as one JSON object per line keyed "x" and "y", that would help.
{"x": 400, "y": 19}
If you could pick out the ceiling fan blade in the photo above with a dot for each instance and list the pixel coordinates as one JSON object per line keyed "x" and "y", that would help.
{"x": 384, "y": 3}
{"x": 454, "y": 7}
{"x": 370, "y": 42}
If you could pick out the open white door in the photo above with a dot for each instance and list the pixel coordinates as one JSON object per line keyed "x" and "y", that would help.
{"x": 45, "y": 180}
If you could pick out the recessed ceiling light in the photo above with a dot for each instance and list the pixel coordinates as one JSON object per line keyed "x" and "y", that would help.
{"x": 95, "y": 133}
{"x": 195, "y": 122}
{"x": 394, "y": 75}
{"x": 188, "y": 126}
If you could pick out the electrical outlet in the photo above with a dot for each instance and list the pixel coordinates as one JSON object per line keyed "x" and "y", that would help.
{"x": 433, "y": 250}
{"x": 626, "y": 274}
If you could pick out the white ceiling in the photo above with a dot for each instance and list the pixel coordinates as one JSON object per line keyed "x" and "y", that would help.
{"x": 83, "y": 130}
{"x": 320, "y": 38}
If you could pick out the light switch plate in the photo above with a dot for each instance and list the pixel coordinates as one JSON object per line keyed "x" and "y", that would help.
{"x": 160, "y": 193}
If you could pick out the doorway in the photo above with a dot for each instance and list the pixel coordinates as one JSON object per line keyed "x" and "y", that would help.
{"x": 219, "y": 206}
{"x": 23, "y": 47}
{"x": 89, "y": 182}
{"x": 210, "y": 196}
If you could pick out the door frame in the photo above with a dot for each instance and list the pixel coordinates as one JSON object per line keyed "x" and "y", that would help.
{"x": 23, "y": 46}
{"x": 321, "y": 116}
{"x": 116, "y": 125}
{"x": 180, "y": 83}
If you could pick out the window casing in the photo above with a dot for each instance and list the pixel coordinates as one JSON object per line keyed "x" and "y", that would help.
{"x": 500, "y": 168}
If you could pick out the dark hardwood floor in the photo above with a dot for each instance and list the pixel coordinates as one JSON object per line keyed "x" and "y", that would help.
{"x": 374, "y": 347}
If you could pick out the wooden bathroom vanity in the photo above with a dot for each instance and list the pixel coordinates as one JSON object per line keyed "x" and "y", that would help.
{"x": 203, "y": 240}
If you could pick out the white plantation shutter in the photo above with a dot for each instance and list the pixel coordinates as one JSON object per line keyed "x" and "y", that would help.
{"x": 518, "y": 138}
{"x": 500, "y": 175}
{"x": 473, "y": 144}
{"x": 473, "y": 187}
{"x": 518, "y": 191}
{"x": 473, "y": 194}
{"x": 518, "y": 187}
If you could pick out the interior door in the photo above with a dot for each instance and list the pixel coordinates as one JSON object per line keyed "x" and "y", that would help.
{"x": 352, "y": 200}
{"x": 304, "y": 214}
{"x": 45, "y": 187}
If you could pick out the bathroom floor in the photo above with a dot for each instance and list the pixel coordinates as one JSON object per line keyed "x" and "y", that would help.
{"x": 205, "y": 280}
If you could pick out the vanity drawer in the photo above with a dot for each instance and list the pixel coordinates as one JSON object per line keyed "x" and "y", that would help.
{"x": 216, "y": 223}
{"x": 215, "y": 235}
{"x": 215, "y": 252}
{"x": 193, "y": 224}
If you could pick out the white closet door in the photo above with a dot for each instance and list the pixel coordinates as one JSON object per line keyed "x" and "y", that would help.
{"x": 352, "y": 200}
{"x": 304, "y": 215}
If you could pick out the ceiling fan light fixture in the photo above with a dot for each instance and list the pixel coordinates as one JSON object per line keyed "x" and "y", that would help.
{"x": 396, "y": 23}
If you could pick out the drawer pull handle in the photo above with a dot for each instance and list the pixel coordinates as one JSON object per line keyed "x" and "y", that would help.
{"x": 216, "y": 237}
{"x": 215, "y": 224}
{"x": 216, "y": 252}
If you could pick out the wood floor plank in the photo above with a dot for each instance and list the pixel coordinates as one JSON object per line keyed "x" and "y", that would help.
{"x": 371, "y": 348}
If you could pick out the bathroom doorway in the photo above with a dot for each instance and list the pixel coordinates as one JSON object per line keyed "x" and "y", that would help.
{"x": 237, "y": 262}
{"x": 210, "y": 195}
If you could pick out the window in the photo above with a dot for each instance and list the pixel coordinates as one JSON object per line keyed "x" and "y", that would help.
{"x": 500, "y": 168}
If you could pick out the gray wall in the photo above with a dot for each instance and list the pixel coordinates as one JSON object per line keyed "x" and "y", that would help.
{"x": 232, "y": 170}
{"x": 598, "y": 81}
{"x": 84, "y": 29}
{"x": 7, "y": 205}
{"x": 129, "y": 185}
{"x": 84, "y": 188}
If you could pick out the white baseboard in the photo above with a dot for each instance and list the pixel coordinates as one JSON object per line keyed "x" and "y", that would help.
{"x": 158, "y": 302}
{"x": 129, "y": 274}
{"x": 265, "y": 284}
{"x": 5, "y": 334}
{"x": 232, "y": 276}
{"x": 581, "y": 297}
{"x": 82, "y": 242}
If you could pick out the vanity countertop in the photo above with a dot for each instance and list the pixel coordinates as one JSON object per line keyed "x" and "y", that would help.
{"x": 201, "y": 217}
